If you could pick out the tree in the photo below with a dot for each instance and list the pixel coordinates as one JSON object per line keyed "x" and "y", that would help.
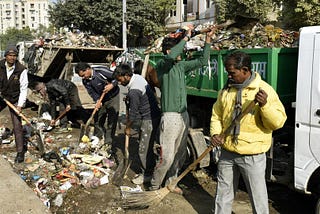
{"x": 292, "y": 14}
{"x": 229, "y": 9}
{"x": 299, "y": 13}
{"x": 13, "y": 36}
{"x": 145, "y": 18}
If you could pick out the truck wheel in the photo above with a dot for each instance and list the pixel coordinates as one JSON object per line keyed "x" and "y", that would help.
{"x": 191, "y": 153}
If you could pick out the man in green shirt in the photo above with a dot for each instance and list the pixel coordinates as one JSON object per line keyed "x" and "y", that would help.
{"x": 175, "y": 120}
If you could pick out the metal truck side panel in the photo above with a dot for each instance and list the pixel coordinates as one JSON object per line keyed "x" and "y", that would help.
{"x": 307, "y": 127}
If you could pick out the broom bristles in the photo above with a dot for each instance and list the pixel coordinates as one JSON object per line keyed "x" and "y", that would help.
{"x": 142, "y": 200}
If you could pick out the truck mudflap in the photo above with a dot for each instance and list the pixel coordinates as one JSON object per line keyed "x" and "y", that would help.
{"x": 199, "y": 144}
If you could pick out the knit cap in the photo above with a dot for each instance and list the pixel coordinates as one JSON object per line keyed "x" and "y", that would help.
{"x": 11, "y": 49}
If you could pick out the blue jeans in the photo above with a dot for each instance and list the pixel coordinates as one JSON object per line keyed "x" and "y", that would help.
{"x": 252, "y": 169}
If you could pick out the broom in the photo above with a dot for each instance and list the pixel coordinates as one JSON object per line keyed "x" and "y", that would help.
{"x": 141, "y": 200}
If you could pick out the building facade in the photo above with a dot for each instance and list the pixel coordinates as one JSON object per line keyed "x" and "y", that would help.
{"x": 23, "y": 13}
{"x": 195, "y": 11}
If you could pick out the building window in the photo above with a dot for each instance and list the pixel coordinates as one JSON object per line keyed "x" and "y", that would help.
{"x": 32, "y": 6}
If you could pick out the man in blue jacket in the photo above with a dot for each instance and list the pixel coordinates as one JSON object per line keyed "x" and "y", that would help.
{"x": 97, "y": 79}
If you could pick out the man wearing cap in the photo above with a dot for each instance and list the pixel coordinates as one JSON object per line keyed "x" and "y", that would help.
{"x": 13, "y": 87}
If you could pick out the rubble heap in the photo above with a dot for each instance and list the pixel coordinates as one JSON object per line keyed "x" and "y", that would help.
{"x": 76, "y": 39}
{"x": 258, "y": 36}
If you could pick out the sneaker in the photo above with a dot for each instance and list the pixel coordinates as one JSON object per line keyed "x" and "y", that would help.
{"x": 140, "y": 179}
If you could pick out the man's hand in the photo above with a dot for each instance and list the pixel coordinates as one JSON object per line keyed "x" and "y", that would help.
{"x": 52, "y": 123}
{"x": 211, "y": 33}
{"x": 261, "y": 97}
{"x": 108, "y": 87}
{"x": 127, "y": 131}
{"x": 217, "y": 140}
{"x": 68, "y": 107}
{"x": 19, "y": 109}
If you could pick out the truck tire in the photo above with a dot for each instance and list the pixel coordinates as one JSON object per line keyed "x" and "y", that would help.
{"x": 191, "y": 153}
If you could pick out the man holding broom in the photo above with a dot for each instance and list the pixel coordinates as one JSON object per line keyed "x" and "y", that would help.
{"x": 174, "y": 121}
{"x": 243, "y": 150}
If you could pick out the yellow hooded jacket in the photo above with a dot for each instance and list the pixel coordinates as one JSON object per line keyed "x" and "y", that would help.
{"x": 256, "y": 127}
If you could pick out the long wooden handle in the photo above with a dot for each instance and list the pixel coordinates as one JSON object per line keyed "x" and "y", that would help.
{"x": 238, "y": 118}
{"x": 95, "y": 108}
{"x": 145, "y": 66}
{"x": 61, "y": 115}
{"x": 16, "y": 110}
{"x": 194, "y": 164}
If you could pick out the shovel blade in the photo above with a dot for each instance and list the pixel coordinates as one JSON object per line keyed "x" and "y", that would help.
{"x": 83, "y": 131}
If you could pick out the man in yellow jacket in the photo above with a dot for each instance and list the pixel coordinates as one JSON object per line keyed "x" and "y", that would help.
{"x": 243, "y": 149}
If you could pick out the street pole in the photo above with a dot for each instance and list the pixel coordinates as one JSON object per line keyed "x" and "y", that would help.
{"x": 124, "y": 25}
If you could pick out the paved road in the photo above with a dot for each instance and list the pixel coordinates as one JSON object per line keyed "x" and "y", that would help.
{"x": 15, "y": 195}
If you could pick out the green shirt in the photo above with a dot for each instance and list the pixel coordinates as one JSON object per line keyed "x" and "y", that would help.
{"x": 171, "y": 75}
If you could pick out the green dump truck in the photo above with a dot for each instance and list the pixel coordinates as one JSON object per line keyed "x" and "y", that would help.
{"x": 294, "y": 158}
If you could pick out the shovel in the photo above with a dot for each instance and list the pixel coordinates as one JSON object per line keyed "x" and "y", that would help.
{"x": 84, "y": 129}
{"x": 58, "y": 118}
{"x": 124, "y": 165}
{"x": 39, "y": 145}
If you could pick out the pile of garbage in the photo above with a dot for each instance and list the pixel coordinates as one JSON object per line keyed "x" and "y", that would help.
{"x": 65, "y": 163}
{"x": 75, "y": 39}
{"x": 228, "y": 38}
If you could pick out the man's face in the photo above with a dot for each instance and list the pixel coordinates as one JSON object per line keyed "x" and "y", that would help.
{"x": 41, "y": 89}
{"x": 85, "y": 74}
{"x": 235, "y": 75}
{"x": 123, "y": 80}
{"x": 11, "y": 58}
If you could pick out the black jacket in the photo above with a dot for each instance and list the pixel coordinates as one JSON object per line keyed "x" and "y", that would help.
{"x": 10, "y": 89}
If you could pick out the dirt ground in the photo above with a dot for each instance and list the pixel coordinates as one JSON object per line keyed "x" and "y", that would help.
{"x": 198, "y": 186}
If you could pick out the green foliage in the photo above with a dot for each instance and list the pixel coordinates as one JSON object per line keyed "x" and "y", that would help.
{"x": 145, "y": 18}
{"x": 229, "y": 9}
{"x": 13, "y": 36}
{"x": 299, "y": 13}
{"x": 294, "y": 13}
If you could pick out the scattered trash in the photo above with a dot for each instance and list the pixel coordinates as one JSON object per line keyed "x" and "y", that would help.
{"x": 58, "y": 200}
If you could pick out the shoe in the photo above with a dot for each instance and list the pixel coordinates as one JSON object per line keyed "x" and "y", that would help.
{"x": 19, "y": 158}
{"x": 140, "y": 179}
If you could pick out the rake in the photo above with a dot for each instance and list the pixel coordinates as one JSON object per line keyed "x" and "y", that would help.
{"x": 141, "y": 200}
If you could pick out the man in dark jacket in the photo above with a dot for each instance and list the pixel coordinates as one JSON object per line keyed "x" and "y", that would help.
{"x": 14, "y": 88}
{"x": 97, "y": 79}
{"x": 62, "y": 93}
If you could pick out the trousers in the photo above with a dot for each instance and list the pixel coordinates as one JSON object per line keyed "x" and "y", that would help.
{"x": 173, "y": 141}
{"x": 252, "y": 168}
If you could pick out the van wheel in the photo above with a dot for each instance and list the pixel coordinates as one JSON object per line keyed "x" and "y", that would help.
{"x": 317, "y": 208}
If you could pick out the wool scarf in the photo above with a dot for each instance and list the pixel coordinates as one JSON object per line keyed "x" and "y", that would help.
{"x": 238, "y": 104}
